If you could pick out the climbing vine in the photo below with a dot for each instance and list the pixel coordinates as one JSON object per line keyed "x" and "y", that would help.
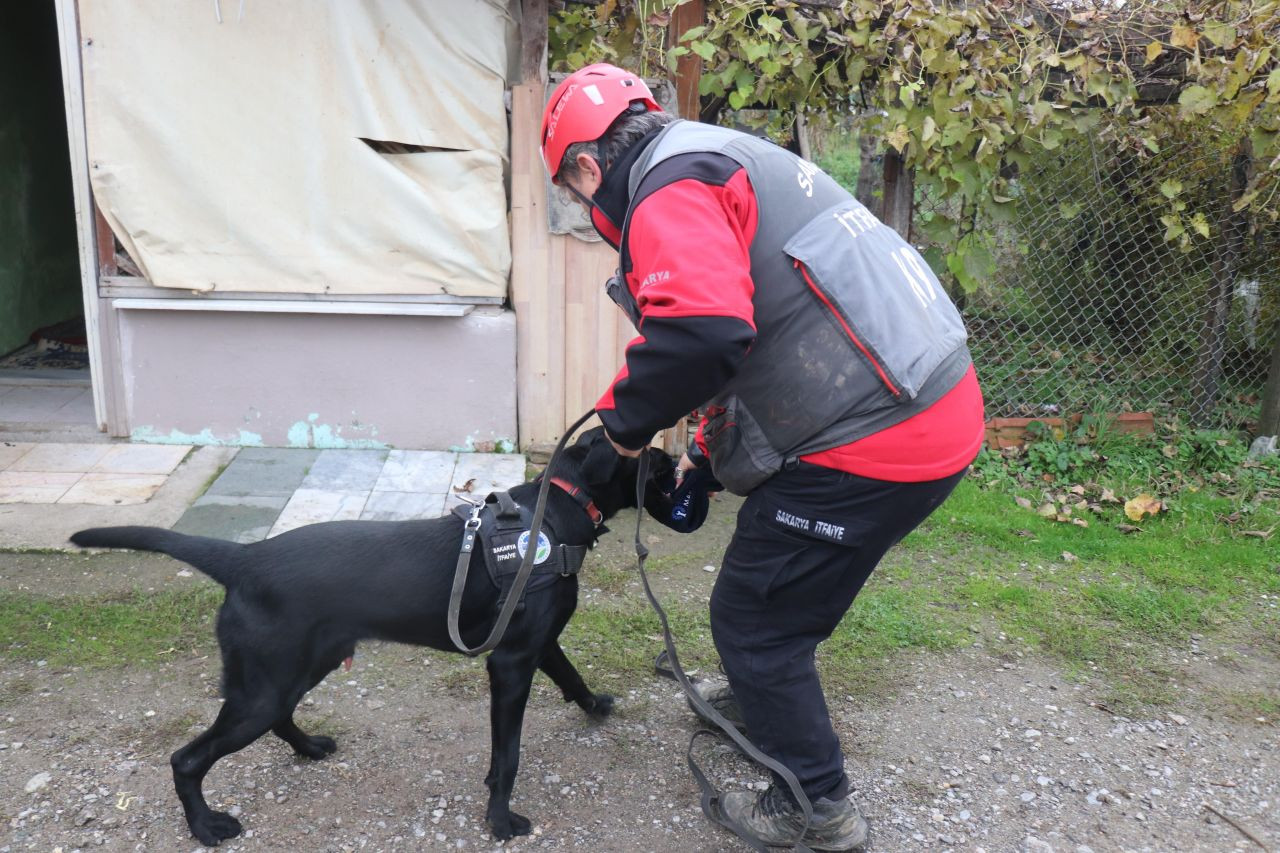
{"x": 969, "y": 93}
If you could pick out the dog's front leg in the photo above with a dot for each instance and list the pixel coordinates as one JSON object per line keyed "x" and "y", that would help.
{"x": 510, "y": 677}
{"x": 558, "y": 667}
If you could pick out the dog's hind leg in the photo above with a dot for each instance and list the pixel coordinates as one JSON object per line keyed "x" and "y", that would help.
{"x": 309, "y": 746}
{"x": 558, "y": 667}
{"x": 238, "y": 725}
{"x": 510, "y": 678}
{"x": 314, "y": 747}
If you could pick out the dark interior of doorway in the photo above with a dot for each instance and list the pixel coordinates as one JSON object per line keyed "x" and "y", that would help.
{"x": 42, "y": 334}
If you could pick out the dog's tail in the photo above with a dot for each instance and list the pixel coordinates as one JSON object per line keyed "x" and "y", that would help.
{"x": 211, "y": 556}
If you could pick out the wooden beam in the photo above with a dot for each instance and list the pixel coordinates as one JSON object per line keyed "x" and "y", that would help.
{"x": 533, "y": 41}
{"x": 686, "y": 16}
{"x": 106, "y": 241}
{"x": 898, "y": 194}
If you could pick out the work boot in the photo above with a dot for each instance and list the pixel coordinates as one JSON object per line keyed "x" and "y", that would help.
{"x": 717, "y": 693}
{"x": 776, "y": 820}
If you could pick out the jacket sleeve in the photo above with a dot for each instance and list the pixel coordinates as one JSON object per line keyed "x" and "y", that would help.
{"x": 691, "y": 275}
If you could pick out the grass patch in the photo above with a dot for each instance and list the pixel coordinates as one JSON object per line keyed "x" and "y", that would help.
{"x": 104, "y": 631}
{"x": 1110, "y": 610}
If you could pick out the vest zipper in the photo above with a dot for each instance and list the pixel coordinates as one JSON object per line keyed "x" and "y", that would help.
{"x": 884, "y": 377}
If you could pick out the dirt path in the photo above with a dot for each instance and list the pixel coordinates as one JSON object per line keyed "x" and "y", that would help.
{"x": 989, "y": 748}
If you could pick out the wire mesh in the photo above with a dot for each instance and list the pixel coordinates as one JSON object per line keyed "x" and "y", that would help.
{"x": 1092, "y": 310}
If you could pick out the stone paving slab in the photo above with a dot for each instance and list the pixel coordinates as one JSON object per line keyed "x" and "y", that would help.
{"x": 402, "y": 506}
{"x": 425, "y": 471}
{"x": 24, "y": 524}
{"x": 141, "y": 459}
{"x": 478, "y": 474}
{"x": 240, "y": 519}
{"x": 265, "y": 471}
{"x": 68, "y": 458}
{"x": 35, "y": 487}
{"x": 11, "y": 452}
{"x": 111, "y": 489}
{"x": 346, "y": 470}
{"x": 310, "y": 506}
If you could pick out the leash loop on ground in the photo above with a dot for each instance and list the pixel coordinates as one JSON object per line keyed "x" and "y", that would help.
{"x": 526, "y": 565}
{"x": 711, "y": 796}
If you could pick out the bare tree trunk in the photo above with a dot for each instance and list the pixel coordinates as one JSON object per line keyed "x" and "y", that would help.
{"x": 1208, "y": 371}
{"x": 870, "y": 171}
{"x": 899, "y": 194}
{"x": 1269, "y": 421}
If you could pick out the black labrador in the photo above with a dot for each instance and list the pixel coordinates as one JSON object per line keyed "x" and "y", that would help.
{"x": 297, "y": 604}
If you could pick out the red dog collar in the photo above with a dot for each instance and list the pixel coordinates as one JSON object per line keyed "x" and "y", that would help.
{"x": 597, "y": 517}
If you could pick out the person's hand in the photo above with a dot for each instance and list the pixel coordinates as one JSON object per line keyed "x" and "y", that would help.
{"x": 684, "y": 466}
{"x": 623, "y": 451}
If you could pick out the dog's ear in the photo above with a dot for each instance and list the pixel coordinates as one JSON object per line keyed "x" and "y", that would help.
{"x": 601, "y": 462}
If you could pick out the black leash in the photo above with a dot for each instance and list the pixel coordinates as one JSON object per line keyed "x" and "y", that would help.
{"x": 472, "y": 530}
{"x": 710, "y": 795}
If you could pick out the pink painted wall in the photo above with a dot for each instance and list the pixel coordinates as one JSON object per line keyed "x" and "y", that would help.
{"x": 305, "y": 380}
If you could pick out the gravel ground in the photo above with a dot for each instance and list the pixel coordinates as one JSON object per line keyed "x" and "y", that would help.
{"x": 990, "y": 748}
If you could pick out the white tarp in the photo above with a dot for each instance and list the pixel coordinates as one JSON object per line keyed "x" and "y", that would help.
{"x": 230, "y": 155}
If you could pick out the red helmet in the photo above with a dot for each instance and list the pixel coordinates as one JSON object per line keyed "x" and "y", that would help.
{"x": 585, "y": 104}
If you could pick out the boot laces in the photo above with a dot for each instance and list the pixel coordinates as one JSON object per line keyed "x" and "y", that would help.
{"x": 773, "y": 803}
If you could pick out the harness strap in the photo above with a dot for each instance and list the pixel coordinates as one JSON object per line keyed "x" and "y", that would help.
{"x": 507, "y": 508}
{"x": 522, "y": 576}
{"x": 710, "y": 795}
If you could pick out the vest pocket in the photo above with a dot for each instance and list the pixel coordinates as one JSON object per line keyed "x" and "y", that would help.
{"x": 740, "y": 453}
{"x": 881, "y": 293}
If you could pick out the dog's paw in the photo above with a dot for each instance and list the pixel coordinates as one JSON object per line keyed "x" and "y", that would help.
{"x": 316, "y": 747}
{"x": 600, "y": 707}
{"x": 510, "y": 825}
{"x": 214, "y": 828}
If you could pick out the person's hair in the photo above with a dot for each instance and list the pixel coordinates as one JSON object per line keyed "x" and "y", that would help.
{"x": 621, "y": 135}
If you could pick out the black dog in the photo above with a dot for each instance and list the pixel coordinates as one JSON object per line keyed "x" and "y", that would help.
{"x": 298, "y": 603}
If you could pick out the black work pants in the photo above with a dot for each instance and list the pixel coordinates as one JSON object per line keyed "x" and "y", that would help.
{"x": 806, "y": 541}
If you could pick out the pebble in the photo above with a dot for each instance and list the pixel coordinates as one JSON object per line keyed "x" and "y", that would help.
{"x": 38, "y": 781}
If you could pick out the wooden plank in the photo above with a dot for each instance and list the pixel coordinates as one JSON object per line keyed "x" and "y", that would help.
{"x": 552, "y": 331}
{"x": 530, "y": 248}
{"x": 106, "y": 242}
{"x": 533, "y": 42}
{"x": 685, "y": 17}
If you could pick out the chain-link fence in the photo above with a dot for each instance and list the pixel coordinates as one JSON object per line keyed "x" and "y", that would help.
{"x": 1092, "y": 309}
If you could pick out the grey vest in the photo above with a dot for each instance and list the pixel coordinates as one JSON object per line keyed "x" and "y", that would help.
{"x": 854, "y": 331}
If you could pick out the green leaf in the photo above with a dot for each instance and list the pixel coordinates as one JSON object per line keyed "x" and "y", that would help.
{"x": 928, "y": 131}
{"x": 738, "y": 98}
{"x": 1219, "y": 33}
{"x": 1273, "y": 82}
{"x": 771, "y": 25}
{"x": 1069, "y": 210}
{"x": 695, "y": 33}
{"x": 1170, "y": 188}
{"x": 1173, "y": 227}
{"x": 705, "y": 49}
{"x": 1200, "y": 224}
{"x": 1197, "y": 100}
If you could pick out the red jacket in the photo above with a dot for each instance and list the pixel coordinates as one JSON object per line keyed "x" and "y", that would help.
{"x": 687, "y": 265}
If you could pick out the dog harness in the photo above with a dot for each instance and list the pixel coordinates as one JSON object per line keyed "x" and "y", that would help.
{"x": 502, "y": 527}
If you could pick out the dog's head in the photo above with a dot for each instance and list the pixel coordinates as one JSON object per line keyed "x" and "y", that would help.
{"x": 609, "y": 478}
